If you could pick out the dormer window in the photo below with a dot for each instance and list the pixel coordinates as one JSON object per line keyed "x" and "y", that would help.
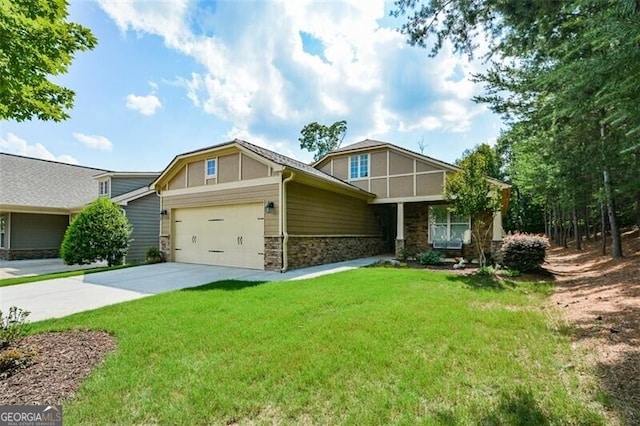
{"x": 211, "y": 169}
{"x": 359, "y": 166}
{"x": 103, "y": 188}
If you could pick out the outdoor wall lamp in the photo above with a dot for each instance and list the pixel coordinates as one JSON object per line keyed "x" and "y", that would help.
{"x": 163, "y": 212}
{"x": 268, "y": 208}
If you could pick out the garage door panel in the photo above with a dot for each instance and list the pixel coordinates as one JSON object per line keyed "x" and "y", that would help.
{"x": 223, "y": 235}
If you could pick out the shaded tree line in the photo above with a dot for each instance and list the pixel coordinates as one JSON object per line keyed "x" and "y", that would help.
{"x": 565, "y": 76}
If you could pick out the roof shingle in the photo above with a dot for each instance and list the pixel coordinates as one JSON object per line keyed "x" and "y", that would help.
{"x": 32, "y": 182}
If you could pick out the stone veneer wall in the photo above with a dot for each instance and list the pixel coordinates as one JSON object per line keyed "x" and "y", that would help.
{"x": 416, "y": 234}
{"x": 416, "y": 227}
{"x": 310, "y": 251}
{"x": 23, "y": 254}
{"x": 165, "y": 247}
{"x": 273, "y": 253}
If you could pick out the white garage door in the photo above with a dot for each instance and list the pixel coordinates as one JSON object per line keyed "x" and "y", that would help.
{"x": 223, "y": 235}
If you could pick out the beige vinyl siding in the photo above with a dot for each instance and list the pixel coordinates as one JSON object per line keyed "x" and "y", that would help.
{"x": 399, "y": 164}
{"x": 313, "y": 211}
{"x": 253, "y": 169}
{"x": 378, "y": 163}
{"x": 37, "y": 231}
{"x": 228, "y": 168}
{"x": 430, "y": 184}
{"x": 196, "y": 174}
{"x": 341, "y": 168}
{"x": 249, "y": 194}
{"x": 401, "y": 186}
{"x": 178, "y": 181}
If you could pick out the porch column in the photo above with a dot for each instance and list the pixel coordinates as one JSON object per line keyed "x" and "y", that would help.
{"x": 400, "y": 229}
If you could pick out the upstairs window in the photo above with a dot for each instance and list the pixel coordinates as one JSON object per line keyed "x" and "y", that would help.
{"x": 445, "y": 225}
{"x": 359, "y": 166}
{"x": 103, "y": 188}
{"x": 211, "y": 168}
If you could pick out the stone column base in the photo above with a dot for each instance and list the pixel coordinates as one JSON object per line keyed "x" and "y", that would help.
{"x": 399, "y": 247}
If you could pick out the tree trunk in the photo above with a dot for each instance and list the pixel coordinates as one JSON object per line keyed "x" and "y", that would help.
{"x": 576, "y": 230}
{"x": 638, "y": 191}
{"x": 616, "y": 243}
{"x": 587, "y": 223}
{"x": 603, "y": 229}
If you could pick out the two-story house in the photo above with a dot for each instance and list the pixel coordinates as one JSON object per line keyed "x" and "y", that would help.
{"x": 237, "y": 204}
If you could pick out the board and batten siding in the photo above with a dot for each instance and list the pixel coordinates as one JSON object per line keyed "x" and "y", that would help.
{"x": 144, "y": 216}
{"x": 392, "y": 174}
{"x": 232, "y": 166}
{"x": 317, "y": 212}
{"x": 37, "y": 231}
{"x": 122, "y": 185}
{"x": 248, "y": 194}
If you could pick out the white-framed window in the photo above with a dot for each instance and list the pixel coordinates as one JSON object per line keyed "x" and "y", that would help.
{"x": 359, "y": 166}
{"x": 3, "y": 231}
{"x": 211, "y": 168}
{"x": 445, "y": 225}
{"x": 103, "y": 186}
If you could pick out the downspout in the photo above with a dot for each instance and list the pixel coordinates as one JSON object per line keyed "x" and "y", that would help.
{"x": 283, "y": 217}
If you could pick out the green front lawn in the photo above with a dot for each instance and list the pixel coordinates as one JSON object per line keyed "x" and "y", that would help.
{"x": 369, "y": 346}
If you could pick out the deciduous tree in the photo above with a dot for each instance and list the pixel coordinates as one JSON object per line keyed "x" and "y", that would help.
{"x": 36, "y": 43}
{"x": 321, "y": 139}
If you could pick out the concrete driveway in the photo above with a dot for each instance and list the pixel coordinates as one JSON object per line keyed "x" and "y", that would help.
{"x": 64, "y": 296}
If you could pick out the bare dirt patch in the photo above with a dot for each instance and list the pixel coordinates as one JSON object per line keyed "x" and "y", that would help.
{"x": 61, "y": 362}
{"x": 600, "y": 300}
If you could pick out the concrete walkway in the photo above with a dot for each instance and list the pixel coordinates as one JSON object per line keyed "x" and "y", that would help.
{"x": 64, "y": 296}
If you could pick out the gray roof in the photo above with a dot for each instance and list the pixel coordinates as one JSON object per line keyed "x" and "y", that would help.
{"x": 32, "y": 182}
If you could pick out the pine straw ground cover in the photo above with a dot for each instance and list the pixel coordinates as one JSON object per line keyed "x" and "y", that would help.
{"x": 369, "y": 346}
{"x": 600, "y": 300}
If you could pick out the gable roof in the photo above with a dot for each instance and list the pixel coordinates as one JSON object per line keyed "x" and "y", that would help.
{"x": 370, "y": 143}
{"x": 35, "y": 183}
{"x": 127, "y": 197}
{"x": 273, "y": 157}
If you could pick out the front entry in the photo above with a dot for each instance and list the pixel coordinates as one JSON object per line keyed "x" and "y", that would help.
{"x": 231, "y": 235}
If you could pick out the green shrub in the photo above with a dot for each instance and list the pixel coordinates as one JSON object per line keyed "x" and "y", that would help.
{"x": 154, "y": 255}
{"x": 12, "y": 325}
{"x": 486, "y": 271}
{"x": 523, "y": 252}
{"x": 430, "y": 257}
{"x": 510, "y": 273}
{"x": 100, "y": 232}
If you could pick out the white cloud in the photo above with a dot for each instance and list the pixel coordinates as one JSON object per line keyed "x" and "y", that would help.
{"x": 256, "y": 74}
{"x": 13, "y": 144}
{"x": 94, "y": 141}
{"x": 145, "y": 105}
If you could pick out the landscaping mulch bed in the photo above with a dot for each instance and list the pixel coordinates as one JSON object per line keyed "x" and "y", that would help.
{"x": 62, "y": 360}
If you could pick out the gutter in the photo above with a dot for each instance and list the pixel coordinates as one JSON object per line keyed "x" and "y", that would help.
{"x": 283, "y": 218}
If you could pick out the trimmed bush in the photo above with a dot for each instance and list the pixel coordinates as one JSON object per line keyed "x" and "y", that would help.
{"x": 101, "y": 231}
{"x": 523, "y": 252}
{"x": 154, "y": 255}
{"x": 430, "y": 257}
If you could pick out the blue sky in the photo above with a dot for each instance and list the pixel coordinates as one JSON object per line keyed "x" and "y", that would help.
{"x": 173, "y": 76}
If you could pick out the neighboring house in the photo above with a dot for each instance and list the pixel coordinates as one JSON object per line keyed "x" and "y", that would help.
{"x": 140, "y": 204}
{"x": 38, "y": 199}
{"x": 237, "y": 204}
